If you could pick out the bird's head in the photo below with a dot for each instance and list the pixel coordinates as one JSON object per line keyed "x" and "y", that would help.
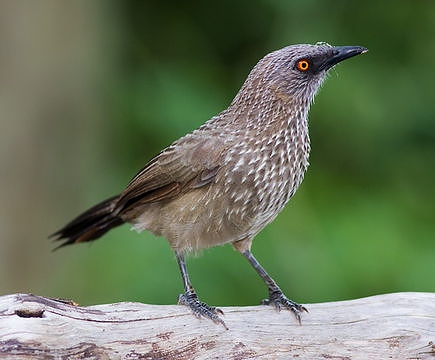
{"x": 297, "y": 71}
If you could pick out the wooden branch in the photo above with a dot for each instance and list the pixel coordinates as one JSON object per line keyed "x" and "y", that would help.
{"x": 392, "y": 326}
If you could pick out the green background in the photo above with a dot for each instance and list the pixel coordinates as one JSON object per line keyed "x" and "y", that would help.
{"x": 90, "y": 91}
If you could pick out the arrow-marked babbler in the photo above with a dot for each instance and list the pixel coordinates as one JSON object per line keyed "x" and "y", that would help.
{"x": 224, "y": 182}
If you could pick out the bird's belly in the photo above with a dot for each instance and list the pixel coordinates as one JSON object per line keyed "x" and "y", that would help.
{"x": 238, "y": 205}
{"x": 195, "y": 220}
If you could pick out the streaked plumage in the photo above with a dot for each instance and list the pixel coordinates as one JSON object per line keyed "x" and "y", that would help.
{"x": 224, "y": 182}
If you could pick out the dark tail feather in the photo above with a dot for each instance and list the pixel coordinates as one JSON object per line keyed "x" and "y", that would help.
{"x": 90, "y": 225}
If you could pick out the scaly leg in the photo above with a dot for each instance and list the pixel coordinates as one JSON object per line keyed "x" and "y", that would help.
{"x": 189, "y": 298}
{"x": 276, "y": 296}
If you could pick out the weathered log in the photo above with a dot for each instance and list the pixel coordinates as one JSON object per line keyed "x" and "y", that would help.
{"x": 392, "y": 326}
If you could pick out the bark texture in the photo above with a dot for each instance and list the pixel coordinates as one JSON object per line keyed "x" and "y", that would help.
{"x": 391, "y": 326}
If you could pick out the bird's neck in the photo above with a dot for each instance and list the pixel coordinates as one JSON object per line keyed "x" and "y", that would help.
{"x": 267, "y": 113}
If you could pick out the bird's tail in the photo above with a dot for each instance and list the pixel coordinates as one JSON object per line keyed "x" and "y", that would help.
{"x": 90, "y": 225}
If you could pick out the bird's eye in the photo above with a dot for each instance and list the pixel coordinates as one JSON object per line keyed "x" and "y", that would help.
{"x": 303, "y": 65}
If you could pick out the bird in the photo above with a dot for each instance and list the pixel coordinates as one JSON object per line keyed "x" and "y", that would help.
{"x": 225, "y": 181}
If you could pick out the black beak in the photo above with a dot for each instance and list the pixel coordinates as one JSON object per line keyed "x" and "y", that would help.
{"x": 341, "y": 53}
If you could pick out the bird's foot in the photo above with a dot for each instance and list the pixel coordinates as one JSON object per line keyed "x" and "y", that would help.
{"x": 280, "y": 301}
{"x": 200, "y": 308}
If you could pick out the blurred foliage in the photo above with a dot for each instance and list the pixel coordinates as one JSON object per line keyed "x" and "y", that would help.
{"x": 362, "y": 222}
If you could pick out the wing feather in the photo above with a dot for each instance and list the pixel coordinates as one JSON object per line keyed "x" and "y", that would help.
{"x": 191, "y": 162}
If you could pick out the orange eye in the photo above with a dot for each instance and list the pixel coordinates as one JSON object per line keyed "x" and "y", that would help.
{"x": 303, "y": 65}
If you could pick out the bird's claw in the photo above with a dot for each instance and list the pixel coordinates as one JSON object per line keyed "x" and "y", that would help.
{"x": 280, "y": 301}
{"x": 200, "y": 308}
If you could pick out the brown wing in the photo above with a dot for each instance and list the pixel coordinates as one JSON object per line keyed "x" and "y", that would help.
{"x": 191, "y": 162}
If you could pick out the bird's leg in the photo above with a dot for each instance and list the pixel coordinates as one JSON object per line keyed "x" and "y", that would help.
{"x": 189, "y": 298}
{"x": 276, "y": 296}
